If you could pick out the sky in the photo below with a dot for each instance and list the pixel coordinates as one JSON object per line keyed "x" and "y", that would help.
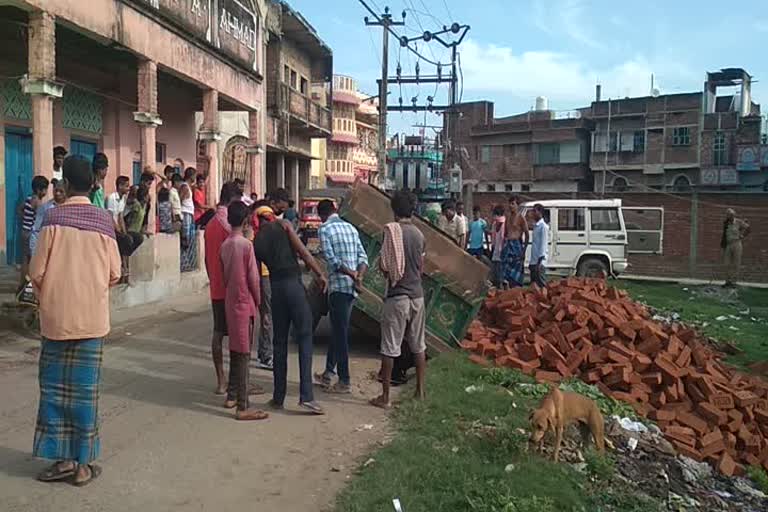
{"x": 517, "y": 50}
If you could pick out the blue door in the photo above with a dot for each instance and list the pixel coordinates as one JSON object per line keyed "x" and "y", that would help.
{"x": 18, "y": 186}
{"x": 83, "y": 148}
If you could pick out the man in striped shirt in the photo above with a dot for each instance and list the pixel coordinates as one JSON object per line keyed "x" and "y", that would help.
{"x": 347, "y": 262}
{"x": 28, "y": 211}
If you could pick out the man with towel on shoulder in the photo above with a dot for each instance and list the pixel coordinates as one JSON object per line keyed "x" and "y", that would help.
{"x": 403, "y": 315}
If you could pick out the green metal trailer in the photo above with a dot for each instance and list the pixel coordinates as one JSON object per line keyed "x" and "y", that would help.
{"x": 455, "y": 283}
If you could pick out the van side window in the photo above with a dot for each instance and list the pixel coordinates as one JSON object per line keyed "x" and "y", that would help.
{"x": 571, "y": 219}
{"x": 605, "y": 219}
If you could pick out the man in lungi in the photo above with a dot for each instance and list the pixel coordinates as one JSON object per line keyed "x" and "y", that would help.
{"x": 515, "y": 241}
{"x": 76, "y": 262}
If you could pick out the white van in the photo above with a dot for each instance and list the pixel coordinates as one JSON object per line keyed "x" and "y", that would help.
{"x": 586, "y": 236}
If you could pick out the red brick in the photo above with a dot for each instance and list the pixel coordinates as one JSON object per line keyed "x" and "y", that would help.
{"x": 667, "y": 368}
{"x": 528, "y": 351}
{"x": 650, "y": 346}
{"x": 606, "y": 332}
{"x": 578, "y": 333}
{"x": 678, "y": 429}
{"x": 684, "y": 449}
{"x": 545, "y": 376}
{"x": 469, "y": 345}
{"x": 652, "y": 379}
{"x": 727, "y": 465}
{"x": 722, "y": 401}
{"x": 712, "y": 413}
{"x": 744, "y": 398}
{"x": 684, "y": 358}
{"x": 617, "y": 357}
{"x": 693, "y": 421}
{"x": 674, "y": 346}
{"x": 713, "y": 448}
{"x": 552, "y": 355}
{"x": 627, "y": 331}
{"x": 761, "y": 416}
{"x": 662, "y": 415}
{"x": 641, "y": 362}
{"x": 523, "y": 366}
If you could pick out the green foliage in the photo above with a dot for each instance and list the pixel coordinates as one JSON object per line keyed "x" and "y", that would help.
{"x": 600, "y": 466}
{"x": 745, "y": 311}
{"x": 464, "y": 451}
{"x": 759, "y": 476}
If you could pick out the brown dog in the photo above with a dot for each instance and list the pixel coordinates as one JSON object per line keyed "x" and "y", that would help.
{"x": 557, "y": 410}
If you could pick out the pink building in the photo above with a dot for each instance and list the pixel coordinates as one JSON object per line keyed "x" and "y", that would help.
{"x": 351, "y": 152}
{"x": 125, "y": 77}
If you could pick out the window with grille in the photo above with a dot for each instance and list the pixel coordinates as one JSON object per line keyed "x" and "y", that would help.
{"x": 681, "y": 136}
{"x": 485, "y": 154}
{"x": 639, "y": 141}
{"x": 720, "y": 149}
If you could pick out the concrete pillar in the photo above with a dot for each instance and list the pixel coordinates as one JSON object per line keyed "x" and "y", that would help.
{"x": 40, "y": 84}
{"x": 293, "y": 186}
{"x": 210, "y": 136}
{"x": 256, "y": 153}
{"x": 280, "y": 170}
{"x": 148, "y": 119}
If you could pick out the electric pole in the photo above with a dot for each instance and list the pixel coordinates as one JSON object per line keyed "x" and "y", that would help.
{"x": 385, "y": 21}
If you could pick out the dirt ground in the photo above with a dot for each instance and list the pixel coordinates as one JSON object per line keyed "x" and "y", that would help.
{"x": 166, "y": 442}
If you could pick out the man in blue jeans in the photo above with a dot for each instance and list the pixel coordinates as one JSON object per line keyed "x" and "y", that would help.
{"x": 277, "y": 246}
{"x": 347, "y": 263}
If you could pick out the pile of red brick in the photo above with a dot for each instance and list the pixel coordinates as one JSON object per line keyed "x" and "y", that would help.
{"x": 583, "y": 328}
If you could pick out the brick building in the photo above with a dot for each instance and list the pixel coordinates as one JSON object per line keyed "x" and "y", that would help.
{"x": 298, "y": 74}
{"x": 351, "y": 152}
{"x": 678, "y": 141}
{"x": 536, "y": 151}
{"x": 126, "y": 77}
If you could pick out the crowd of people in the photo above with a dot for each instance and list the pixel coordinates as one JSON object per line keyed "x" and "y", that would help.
{"x": 504, "y": 240}
{"x": 181, "y": 208}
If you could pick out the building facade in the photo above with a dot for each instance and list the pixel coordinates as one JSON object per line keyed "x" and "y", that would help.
{"x": 536, "y": 151}
{"x": 677, "y": 142}
{"x": 351, "y": 151}
{"x": 126, "y": 77}
{"x": 298, "y": 77}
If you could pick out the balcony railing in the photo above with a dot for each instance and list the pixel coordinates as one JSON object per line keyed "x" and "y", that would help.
{"x": 340, "y": 170}
{"x": 304, "y": 108}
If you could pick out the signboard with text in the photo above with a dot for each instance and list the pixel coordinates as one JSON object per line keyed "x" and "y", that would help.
{"x": 238, "y": 32}
{"x": 229, "y": 25}
{"x": 748, "y": 158}
{"x": 193, "y": 15}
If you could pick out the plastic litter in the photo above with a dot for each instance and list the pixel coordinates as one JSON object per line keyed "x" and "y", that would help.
{"x": 631, "y": 425}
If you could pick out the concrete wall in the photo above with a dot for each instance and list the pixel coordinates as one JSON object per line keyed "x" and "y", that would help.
{"x": 692, "y": 230}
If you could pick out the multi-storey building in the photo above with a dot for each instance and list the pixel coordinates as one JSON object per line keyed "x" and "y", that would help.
{"x": 536, "y": 151}
{"x": 126, "y": 77}
{"x": 679, "y": 141}
{"x": 351, "y": 152}
{"x": 298, "y": 74}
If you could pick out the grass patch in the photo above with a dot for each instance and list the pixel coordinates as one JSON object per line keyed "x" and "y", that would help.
{"x": 759, "y": 476}
{"x": 694, "y": 305}
{"x": 466, "y": 451}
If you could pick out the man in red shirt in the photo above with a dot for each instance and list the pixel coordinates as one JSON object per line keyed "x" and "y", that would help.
{"x": 216, "y": 232}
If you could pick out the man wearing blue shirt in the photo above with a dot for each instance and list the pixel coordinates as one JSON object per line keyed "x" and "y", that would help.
{"x": 539, "y": 248}
{"x": 347, "y": 263}
{"x": 478, "y": 232}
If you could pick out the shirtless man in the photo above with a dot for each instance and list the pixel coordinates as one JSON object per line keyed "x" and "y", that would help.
{"x": 515, "y": 241}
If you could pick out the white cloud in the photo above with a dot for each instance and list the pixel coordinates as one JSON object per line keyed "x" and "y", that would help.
{"x": 565, "y": 17}
{"x": 491, "y": 70}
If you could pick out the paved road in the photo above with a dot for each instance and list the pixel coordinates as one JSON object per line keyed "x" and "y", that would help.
{"x": 167, "y": 443}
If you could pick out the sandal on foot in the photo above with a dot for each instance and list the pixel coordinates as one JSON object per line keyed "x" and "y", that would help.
{"x": 95, "y": 473}
{"x": 54, "y": 472}
{"x": 321, "y": 379}
{"x": 339, "y": 389}
{"x": 230, "y": 404}
{"x": 251, "y": 415}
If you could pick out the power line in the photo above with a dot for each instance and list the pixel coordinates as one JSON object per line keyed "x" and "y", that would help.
{"x": 391, "y": 31}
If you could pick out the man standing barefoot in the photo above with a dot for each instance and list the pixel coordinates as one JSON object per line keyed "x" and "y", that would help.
{"x": 216, "y": 232}
{"x": 403, "y": 316}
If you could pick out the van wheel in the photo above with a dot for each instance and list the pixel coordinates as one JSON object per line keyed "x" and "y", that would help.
{"x": 592, "y": 267}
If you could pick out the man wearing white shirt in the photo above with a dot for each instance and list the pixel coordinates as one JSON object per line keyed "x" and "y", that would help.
{"x": 116, "y": 200}
{"x": 464, "y": 224}
{"x": 539, "y": 248}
